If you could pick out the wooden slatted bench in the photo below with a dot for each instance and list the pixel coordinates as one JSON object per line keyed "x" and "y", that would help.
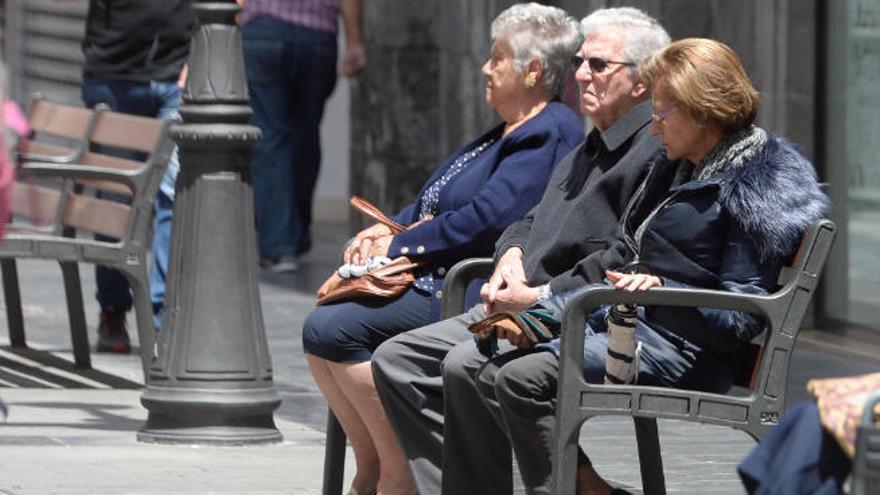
{"x": 56, "y": 209}
{"x": 60, "y": 133}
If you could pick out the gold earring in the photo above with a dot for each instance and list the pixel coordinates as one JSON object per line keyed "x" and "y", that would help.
{"x": 530, "y": 81}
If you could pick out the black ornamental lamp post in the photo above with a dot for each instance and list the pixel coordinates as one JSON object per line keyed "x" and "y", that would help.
{"x": 212, "y": 380}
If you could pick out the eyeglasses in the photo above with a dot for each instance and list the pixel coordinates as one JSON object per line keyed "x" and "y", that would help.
{"x": 659, "y": 118}
{"x": 597, "y": 65}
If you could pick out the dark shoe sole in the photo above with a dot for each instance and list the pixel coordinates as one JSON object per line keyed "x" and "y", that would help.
{"x": 115, "y": 348}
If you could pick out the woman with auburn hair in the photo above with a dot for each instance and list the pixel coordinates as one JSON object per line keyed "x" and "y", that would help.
{"x": 462, "y": 209}
{"x": 723, "y": 208}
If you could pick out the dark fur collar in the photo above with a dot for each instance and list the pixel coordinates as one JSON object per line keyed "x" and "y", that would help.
{"x": 773, "y": 194}
{"x": 774, "y": 197}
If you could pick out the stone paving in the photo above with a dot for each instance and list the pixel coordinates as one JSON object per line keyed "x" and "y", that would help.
{"x": 72, "y": 432}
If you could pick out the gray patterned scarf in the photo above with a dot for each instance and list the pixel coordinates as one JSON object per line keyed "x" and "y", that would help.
{"x": 732, "y": 151}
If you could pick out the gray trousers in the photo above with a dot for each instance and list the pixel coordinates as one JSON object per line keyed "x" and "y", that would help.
{"x": 518, "y": 389}
{"x": 409, "y": 374}
{"x": 444, "y": 400}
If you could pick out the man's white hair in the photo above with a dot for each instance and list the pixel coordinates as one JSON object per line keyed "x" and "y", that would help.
{"x": 642, "y": 35}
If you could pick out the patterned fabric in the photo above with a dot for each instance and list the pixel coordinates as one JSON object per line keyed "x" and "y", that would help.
{"x": 733, "y": 151}
{"x": 315, "y": 14}
{"x": 431, "y": 198}
{"x": 841, "y": 402}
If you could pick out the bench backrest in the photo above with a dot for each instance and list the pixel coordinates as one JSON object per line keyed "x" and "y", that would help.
{"x": 115, "y": 142}
{"x": 752, "y": 354}
{"x": 57, "y": 130}
{"x": 121, "y": 142}
{"x": 800, "y": 282}
{"x": 59, "y": 133}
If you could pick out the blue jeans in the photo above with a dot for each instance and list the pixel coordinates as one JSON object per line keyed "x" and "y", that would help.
{"x": 291, "y": 72}
{"x": 159, "y": 99}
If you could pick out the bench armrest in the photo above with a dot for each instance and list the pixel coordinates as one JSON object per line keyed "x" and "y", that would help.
{"x": 577, "y": 309}
{"x": 456, "y": 282}
{"x": 594, "y": 297}
{"x": 36, "y": 157}
{"x": 84, "y": 172}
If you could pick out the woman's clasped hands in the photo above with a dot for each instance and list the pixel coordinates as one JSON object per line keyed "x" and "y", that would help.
{"x": 632, "y": 282}
{"x": 371, "y": 242}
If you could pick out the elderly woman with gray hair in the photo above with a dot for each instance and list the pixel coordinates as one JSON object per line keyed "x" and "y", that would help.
{"x": 461, "y": 210}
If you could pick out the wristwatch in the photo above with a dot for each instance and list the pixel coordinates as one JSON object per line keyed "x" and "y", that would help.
{"x": 544, "y": 293}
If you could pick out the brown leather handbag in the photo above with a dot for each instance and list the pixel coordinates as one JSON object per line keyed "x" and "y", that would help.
{"x": 388, "y": 281}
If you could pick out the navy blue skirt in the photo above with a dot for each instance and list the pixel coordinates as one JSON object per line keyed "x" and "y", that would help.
{"x": 350, "y": 331}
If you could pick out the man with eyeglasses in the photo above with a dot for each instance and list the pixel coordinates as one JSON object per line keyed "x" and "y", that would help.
{"x": 425, "y": 376}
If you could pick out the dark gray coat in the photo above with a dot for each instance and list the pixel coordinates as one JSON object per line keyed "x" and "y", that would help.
{"x": 564, "y": 238}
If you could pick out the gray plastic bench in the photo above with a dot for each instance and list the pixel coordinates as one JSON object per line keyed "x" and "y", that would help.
{"x": 754, "y": 412}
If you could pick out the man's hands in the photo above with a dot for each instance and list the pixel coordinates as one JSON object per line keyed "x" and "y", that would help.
{"x": 513, "y": 335}
{"x": 507, "y": 289}
{"x": 372, "y": 241}
{"x": 355, "y": 58}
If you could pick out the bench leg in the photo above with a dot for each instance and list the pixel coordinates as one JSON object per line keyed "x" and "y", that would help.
{"x": 138, "y": 280}
{"x": 334, "y": 456}
{"x": 565, "y": 455}
{"x": 79, "y": 333}
{"x": 650, "y": 459}
{"x": 12, "y": 296}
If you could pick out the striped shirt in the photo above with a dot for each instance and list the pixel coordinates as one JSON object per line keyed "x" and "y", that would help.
{"x": 315, "y": 14}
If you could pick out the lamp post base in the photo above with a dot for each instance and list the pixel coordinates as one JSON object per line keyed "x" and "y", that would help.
{"x": 210, "y": 417}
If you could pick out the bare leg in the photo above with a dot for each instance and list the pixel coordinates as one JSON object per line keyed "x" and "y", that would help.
{"x": 367, "y": 476}
{"x": 590, "y": 483}
{"x": 356, "y": 382}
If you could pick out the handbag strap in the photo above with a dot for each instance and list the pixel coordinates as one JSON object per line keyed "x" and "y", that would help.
{"x": 370, "y": 210}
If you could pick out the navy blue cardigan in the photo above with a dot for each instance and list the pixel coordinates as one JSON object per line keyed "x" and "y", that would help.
{"x": 498, "y": 188}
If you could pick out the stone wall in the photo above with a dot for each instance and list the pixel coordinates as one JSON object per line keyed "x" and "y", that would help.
{"x": 422, "y": 95}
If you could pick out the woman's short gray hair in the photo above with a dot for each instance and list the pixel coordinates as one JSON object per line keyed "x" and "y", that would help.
{"x": 539, "y": 32}
{"x": 642, "y": 35}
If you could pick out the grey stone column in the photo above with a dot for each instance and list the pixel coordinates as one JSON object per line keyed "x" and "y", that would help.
{"x": 212, "y": 381}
